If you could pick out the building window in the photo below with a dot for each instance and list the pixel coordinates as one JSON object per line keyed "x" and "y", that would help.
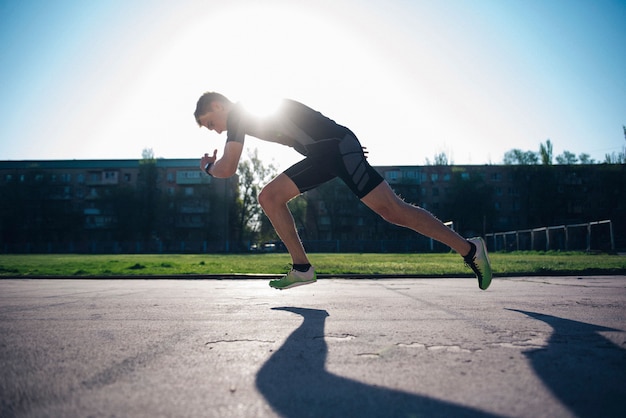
{"x": 190, "y": 174}
{"x": 392, "y": 175}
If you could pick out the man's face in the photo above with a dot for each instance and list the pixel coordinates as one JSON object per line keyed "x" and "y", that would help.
{"x": 216, "y": 118}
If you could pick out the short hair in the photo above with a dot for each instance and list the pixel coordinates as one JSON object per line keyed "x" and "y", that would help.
{"x": 204, "y": 103}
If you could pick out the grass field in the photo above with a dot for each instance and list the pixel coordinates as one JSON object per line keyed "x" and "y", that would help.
{"x": 520, "y": 263}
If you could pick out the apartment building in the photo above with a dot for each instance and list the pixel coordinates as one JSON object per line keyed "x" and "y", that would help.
{"x": 169, "y": 205}
{"x": 477, "y": 200}
{"x": 91, "y": 205}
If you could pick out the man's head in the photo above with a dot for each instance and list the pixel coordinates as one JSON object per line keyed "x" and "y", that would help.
{"x": 212, "y": 111}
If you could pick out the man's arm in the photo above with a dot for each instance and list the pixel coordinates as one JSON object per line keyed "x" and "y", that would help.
{"x": 225, "y": 166}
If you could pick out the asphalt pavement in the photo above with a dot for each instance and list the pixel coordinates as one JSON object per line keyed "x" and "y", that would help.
{"x": 526, "y": 347}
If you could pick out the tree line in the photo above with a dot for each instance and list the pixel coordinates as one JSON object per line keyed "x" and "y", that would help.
{"x": 544, "y": 156}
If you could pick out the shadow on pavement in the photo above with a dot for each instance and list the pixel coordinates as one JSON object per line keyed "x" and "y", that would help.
{"x": 583, "y": 369}
{"x": 295, "y": 382}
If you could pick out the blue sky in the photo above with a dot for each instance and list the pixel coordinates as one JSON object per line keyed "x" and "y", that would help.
{"x": 412, "y": 78}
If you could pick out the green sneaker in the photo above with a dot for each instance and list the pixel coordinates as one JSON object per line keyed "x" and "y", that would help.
{"x": 478, "y": 261}
{"x": 295, "y": 278}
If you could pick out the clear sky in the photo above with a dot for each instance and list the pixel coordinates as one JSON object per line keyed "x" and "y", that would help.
{"x": 105, "y": 79}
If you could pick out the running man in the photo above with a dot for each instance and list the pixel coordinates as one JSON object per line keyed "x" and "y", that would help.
{"x": 330, "y": 151}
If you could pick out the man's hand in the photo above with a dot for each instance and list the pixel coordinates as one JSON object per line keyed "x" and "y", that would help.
{"x": 206, "y": 160}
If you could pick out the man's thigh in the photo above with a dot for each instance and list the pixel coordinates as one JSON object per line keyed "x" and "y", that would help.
{"x": 309, "y": 173}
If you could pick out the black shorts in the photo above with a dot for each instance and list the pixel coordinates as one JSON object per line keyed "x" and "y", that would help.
{"x": 343, "y": 158}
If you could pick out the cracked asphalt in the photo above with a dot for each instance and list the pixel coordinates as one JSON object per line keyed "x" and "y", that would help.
{"x": 527, "y": 347}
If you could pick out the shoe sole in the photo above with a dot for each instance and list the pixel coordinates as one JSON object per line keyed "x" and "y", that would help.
{"x": 294, "y": 284}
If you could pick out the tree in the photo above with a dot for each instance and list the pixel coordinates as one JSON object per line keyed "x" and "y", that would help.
{"x": 440, "y": 159}
{"x": 585, "y": 158}
{"x": 252, "y": 176}
{"x": 519, "y": 157}
{"x": 566, "y": 158}
{"x": 545, "y": 151}
{"x": 619, "y": 157}
{"x": 615, "y": 158}
{"x": 148, "y": 195}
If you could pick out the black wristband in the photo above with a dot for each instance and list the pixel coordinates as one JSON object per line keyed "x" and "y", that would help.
{"x": 207, "y": 167}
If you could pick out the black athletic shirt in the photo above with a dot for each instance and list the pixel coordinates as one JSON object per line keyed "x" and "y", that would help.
{"x": 292, "y": 124}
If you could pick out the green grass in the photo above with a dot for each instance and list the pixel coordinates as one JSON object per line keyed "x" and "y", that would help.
{"x": 519, "y": 263}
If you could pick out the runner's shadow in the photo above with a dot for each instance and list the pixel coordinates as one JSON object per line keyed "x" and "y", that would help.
{"x": 295, "y": 382}
{"x": 583, "y": 369}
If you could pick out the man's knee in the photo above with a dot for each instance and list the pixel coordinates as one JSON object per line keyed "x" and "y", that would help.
{"x": 271, "y": 195}
{"x": 277, "y": 192}
{"x": 265, "y": 197}
{"x": 392, "y": 209}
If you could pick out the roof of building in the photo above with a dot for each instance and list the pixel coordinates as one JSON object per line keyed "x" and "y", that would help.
{"x": 87, "y": 164}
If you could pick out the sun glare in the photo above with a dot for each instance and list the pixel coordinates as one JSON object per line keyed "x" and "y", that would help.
{"x": 261, "y": 106}
{"x": 273, "y": 53}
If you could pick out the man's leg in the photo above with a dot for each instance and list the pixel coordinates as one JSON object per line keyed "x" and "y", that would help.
{"x": 273, "y": 199}
{"x": 387, "y": 204}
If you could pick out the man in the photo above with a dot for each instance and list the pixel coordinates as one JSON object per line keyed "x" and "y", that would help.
{"x": 330, "y": 151}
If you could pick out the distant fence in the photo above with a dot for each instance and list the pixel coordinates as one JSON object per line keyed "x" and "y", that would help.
{"x": 590, "y": 236}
